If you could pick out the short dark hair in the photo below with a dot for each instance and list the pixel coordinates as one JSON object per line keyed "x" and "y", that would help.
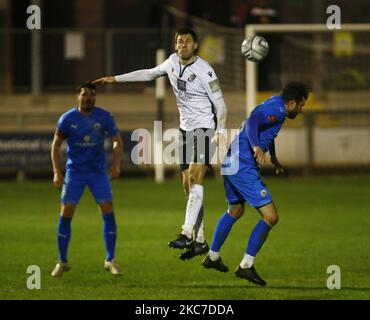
{"x": 186, "y": 30}
{"x": 88, "y": 85}
{"x": 295, "y": 90}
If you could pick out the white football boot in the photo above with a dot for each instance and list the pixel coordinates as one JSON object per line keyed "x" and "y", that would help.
{"x": 60, "y": 268}
{"x": 113, "y": 267}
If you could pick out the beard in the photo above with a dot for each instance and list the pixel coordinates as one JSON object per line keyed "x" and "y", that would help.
{"x": 88, "y": 106}
{"x": 292, "y": 114}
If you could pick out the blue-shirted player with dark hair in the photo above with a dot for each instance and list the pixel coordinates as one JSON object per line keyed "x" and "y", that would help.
{"x": 85, "y": 128}
{"x": 256, "y": 137}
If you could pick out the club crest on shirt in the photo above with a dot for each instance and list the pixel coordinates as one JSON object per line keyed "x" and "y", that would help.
{"x": 192, "y": 77}
{"x": 263, "y": 193}
{"x": 271, "y": 118}
{"x": 97, "y": 126}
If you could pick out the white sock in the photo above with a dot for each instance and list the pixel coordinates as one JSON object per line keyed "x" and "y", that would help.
{"x": 247, "y": 261}
{"x": 187, "y": 230}
{"x": 213, "y": 255}
{"x": 194, "y": 204}
{"x": 199, "y": 226}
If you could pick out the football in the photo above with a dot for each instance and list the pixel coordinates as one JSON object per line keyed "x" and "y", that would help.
{"x": 255, "y": 48}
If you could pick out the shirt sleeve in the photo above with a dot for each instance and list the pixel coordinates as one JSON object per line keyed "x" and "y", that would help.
{"x": 214, "y": 93}
{"x": 212, "y": 85}
{"x": 62, "y": 128}
{"x": 111, "y": 126}
{"x": 259, "y": 118}
{"x": 221, "y": 113}
{"x": 254, "y": 121}
{"x": 144, "y": 74}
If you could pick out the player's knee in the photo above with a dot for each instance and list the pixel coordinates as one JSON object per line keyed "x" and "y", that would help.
{"x": 67, "y": 211}
{"x": 193, "y": 179}
{"x": 106, "y": 207}
{"x": 185, "y": 182}
{"x": 273, "y": 220}
{"x": 236, "y": 211}
{"x": 185, "y": 186}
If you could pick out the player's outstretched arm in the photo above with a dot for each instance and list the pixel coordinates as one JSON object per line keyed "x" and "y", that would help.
{"x": 136, "y": 76}
{"x": 115, "y": 168}
{"x": 105, "y": 80}
{"x": 58, "y": 178}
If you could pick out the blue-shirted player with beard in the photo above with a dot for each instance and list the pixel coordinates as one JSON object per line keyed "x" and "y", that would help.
{"x": 85, "y": 128}
{"x": 256, "y": 137}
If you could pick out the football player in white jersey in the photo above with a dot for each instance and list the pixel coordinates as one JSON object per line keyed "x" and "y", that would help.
{"x": 202, "y": 123}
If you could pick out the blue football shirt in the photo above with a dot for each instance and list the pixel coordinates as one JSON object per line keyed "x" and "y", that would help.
{"x": 85, "y": 136}
{"x": 259, "y": 129}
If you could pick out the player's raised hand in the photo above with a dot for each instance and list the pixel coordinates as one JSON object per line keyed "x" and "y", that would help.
{"x": 104, "y": 80}
{"x": 114, "y": 172}
{"x": 259, "y": 155}
{"x": 58, "y": 180}
{"x": 220, "y": 140}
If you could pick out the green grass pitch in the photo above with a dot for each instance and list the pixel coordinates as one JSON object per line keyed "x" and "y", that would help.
{"x": 323, "y": 221}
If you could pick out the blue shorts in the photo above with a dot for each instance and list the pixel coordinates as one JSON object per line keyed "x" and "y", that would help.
{"x": 247, "y": 186}
{"x": 75, "y": 182}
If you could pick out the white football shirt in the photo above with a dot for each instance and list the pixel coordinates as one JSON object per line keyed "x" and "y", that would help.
{"x": 197, "y": 90}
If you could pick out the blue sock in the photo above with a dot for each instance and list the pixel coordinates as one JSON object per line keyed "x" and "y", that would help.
{"x": 63, "y": 236}
{"x": 222, "y": 230}
{"x": 110, "y": 234}
{"x": 258, "y": 237}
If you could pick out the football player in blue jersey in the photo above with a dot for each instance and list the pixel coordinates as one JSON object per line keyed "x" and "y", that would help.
{"x": 256, "y": 137}
{"x": 84, "y": 128}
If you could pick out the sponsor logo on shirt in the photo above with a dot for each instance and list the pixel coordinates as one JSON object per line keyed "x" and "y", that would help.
{"x": 97, "y": 126}
{"x": 74, "y": 126}
{"x": 263, "y": 193}
{"x": 87, "y": 138}
{"x": 214, "y": 86}
{"x": 210, "y": 73}
{"x": 181, "y": 85}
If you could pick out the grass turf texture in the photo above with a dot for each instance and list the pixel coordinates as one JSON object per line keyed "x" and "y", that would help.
{"x": 323, "y": 221}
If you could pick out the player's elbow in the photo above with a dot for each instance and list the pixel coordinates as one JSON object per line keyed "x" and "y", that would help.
{"x": 221, "y": 115}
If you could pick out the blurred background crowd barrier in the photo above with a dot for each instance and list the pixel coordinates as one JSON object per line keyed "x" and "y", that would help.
{"x": 40, "y": 69}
